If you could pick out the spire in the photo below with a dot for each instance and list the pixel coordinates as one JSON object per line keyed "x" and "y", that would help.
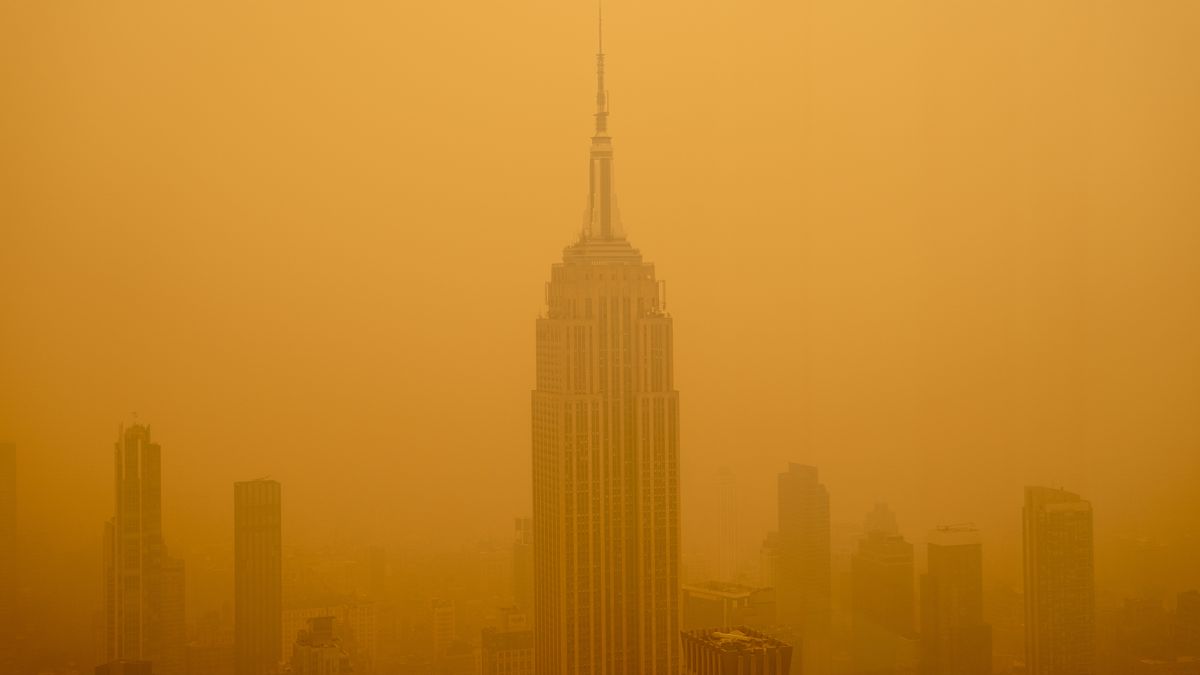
{"x": 601, "y": 221}
{"x": 601, "y": 94}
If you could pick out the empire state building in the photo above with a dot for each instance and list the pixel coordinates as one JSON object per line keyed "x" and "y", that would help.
{"x": 605, "y": 451}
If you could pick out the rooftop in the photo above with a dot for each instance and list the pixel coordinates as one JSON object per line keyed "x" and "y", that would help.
{"x": 736, "y": 640}
{"x": 721, "y": 588}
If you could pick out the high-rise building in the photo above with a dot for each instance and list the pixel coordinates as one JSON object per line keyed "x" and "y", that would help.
{"x": 1059, "y": 583}
{"x": 954, "y": 638}
{"x": 804, "y": 576}
{"x": 881, "y": 579}
{"x": 738, "y": 651}
{"x": 523, "y": 565}
{"x": 8, "y": 558}
{"x": 257, "y": 576}
{"x": 143, "y": 587}
{"x": 605, "y": 451}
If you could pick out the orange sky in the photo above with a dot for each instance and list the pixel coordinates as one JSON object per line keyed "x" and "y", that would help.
{"x": 939, "y": 249}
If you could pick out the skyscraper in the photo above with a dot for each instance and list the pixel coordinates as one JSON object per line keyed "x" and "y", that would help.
{"x": 804, "y": 575}
{"x": 882, "y": 599}
{"x": 605, "y": 451}
{"x": 8, "y": 558}
{"x": 257, "y": 576}
{"x": 142, "y": 587}
{"x": 1059, "y": 583}
{"x": 882, "y": 578}
{"x": 954, "y": 638}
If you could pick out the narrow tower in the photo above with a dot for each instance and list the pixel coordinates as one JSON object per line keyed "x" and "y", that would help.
{"x": 1060, "y": 595}
{"x": 804, "y": 578}
{"x": 605, "y": 451}
{"x": 143, "y": 587}
{"x": 257, "y": 577}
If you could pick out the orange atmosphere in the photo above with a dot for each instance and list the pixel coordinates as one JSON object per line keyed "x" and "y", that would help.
{"x": 940, "y": 250}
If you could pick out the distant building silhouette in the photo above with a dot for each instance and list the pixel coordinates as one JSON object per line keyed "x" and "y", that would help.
{"x": 882, "y": 577}
{"x": 1059, "y": 583}
{"x": 768, "y": 561}
{"x": 954, "y": 638}
{"x": 8, "y": 558}
{"x": 522, "y": 566}
{"x": 210, "y": 651}
{"x": 174, "y": 619}
{"x": 379, "y": 573}
{"x": 318, "y": 650}
{"x": 508, "y": 648}
{"x": 605, "y": 452}
{"x": 734, "y": 651}
{"x": 356, "y": 626}
{"x": 445, "y": 628}
{"x": 881, "y": 571}
{"x": 1187, "y": 623}
{"x": 143, "y": 586}
{"x": 724, "y": 604}
{"x": 881, "y": 519}
{"x": 257, "y": 576}
{"x": 804, "y": 581}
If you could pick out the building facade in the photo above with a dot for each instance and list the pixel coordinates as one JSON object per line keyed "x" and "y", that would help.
{"x": 143, "y": 586}
{"x": 881, "y": 577}
{"x": 605, "y": 452}
{"x": 1060, "y": 597}
{"x": 882, "y": 581}
{"x": 257, "y": 577}
{"x": 804, "y": 568}
{"x": 522, "y": 565}
{"x": 954, "y": 638}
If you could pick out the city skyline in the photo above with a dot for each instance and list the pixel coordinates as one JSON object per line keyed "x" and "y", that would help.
{"x": 930, "y": 257}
